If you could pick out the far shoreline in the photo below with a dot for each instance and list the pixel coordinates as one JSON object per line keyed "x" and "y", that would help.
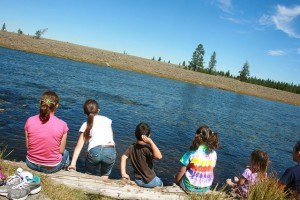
{"x": 141, "y": 65}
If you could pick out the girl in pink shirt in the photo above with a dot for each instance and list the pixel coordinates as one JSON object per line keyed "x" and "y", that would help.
{"x": 46, "y": 137}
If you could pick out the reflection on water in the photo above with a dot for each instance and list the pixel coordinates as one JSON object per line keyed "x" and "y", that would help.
{"x": 173, "y": 109}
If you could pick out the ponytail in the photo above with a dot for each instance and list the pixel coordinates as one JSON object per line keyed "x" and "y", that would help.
{"x": 205, "y": 136}
{"x": 89, "y": 126}
{"x": 91, "y": 109}
{"x": 48, "y": 103}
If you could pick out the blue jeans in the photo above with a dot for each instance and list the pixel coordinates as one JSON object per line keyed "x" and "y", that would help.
{"x": 100, "y": 160}
{"x": 64, "y": 163}
{"x": 154, "y": 183}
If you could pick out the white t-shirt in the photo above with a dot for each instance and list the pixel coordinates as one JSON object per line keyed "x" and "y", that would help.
{"x": 101, "y": 132}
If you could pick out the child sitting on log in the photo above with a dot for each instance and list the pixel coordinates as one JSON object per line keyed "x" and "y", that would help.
{"x": 291, "y": 177}
{"x": 253, "y": 173}
{"x": 141, "y": 155}
{"x": 197, "y": 171}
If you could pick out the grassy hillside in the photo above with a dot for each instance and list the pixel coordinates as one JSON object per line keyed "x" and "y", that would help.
{"x": 141, "y": 65}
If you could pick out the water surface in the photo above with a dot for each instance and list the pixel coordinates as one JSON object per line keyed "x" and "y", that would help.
{"x": 173, "y": 110}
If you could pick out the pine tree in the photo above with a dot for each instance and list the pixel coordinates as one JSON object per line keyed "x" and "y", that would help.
{"x": 3, "y": 27}
{"x": 197, "y": 62}
{"x": 212, "y": 63}
{"x": 159, "y": 59}
{"x": 20, "y": 32}
{"x": 244, "y": 73}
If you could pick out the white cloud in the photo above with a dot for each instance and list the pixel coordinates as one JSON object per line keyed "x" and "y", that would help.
{"x": 283, "y": 19}
{"x": 276, "y": 52}
{"x": 225, "y": 5}
{"x": 298, "y": 51}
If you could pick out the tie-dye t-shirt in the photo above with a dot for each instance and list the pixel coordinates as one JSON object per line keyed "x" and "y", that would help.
{"x": 200, "y": 168}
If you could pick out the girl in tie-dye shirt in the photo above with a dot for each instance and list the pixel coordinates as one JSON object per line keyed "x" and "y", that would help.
{"x": 197, "y": 171}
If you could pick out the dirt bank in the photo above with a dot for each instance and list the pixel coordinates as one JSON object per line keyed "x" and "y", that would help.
{"x": 137, "y": 64}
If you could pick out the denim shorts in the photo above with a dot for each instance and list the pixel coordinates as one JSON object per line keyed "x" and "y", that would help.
{"x": 64, "y": 163}
{"x": 154, "y": 183}
{"x": 100, "y": 160}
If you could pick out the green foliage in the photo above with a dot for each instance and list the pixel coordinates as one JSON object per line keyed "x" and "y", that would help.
{"x": 197, "y": 62}
{"x": 183, "y": 64}
{"x": 3, "y": 27}
{"x": 39, "y": 33}
{"x": 289, "y": 87}
{"x": 20, "y": 32}
{"x": 159, "y": 59}
{"x": 244, "y": 73}
{"x": 153, "y": 58}
{"x": 212, "y": 63}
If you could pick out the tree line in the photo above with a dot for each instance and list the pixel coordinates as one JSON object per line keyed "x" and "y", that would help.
{"x": 197, "y": 64}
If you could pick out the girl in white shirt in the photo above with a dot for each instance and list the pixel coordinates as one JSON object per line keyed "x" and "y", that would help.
{"x": 97, "y": 132}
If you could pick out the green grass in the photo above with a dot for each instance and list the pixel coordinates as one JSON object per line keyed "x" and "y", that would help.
{"x": 267, "y": 189}
{"x": 53, "y": 190}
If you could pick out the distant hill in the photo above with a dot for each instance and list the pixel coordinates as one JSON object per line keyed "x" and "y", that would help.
{"x": 133, "y": 63}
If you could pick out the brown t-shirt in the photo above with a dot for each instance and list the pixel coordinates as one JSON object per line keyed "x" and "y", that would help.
{"x": 141, "y": 161}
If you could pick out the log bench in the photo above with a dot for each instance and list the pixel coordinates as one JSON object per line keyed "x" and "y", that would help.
{"x": 118, "y": 189}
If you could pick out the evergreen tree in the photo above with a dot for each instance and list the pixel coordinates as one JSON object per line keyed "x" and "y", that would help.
{"x": 39, "y": 33}
{"x": 20, "y": 32}
{"x": 183, "y": 64}
{"x": 159, "y": 59}
{"x": 244, "y": 73}
{"x": 197, "y": 62}
{"x": 153, "y": 58}
{"x": 169, "y": 61}
{"x": 3, "y": 27}
{"x": 227, "y": 73}
{"x": 212, "y": 63}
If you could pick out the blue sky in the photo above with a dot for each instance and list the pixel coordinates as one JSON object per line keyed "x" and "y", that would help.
{"x": 266, "y": 33}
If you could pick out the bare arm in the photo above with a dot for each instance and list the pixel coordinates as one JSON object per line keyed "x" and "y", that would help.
{"x": 26, "y": 138}
{"x": 123, "y": 167}
{"x": 180, "y": 174}
{"x": 242, "y": 181}
{"x": 155, "y": 151}
{"x": 77, "y": 151}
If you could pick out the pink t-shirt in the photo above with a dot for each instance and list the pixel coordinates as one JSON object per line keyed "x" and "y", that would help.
{"x": 44, "y": 140}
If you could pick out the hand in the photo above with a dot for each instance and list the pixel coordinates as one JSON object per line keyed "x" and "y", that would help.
{"x": 229, "y": 182}
{"x": 236, "y": 179}
{"x": 71, "y": 167}
{"x": 125, "y": 176}
{"x": 146, "y": 139}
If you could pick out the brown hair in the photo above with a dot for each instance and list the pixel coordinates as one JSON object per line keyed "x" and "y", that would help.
{"x": 205, "y": 136}
{"x": 259, "y": 162}
{"x": 48, "y": 103}
{"x": 91, "y": 109}
{"x": 142, "y": 129}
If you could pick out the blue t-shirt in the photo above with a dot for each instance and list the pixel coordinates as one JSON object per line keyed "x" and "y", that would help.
{"x": 291, "y": 178}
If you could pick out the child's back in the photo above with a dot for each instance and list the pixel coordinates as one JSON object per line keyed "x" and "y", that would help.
{"x": 291, "y": 177}
{"x": 141, "y": 155}
{"x": 197, "y": 171}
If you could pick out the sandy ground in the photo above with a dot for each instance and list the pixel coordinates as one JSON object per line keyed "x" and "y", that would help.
{"x": 141, "y": 65}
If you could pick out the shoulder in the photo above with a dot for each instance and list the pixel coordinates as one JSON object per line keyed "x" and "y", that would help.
{"x": 35, "y": 117}
{"x": 103, "y": 119}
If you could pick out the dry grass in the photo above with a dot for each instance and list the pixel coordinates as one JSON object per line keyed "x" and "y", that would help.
{"x": 137, "y": 64}
{"x": 267, "y": 189}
